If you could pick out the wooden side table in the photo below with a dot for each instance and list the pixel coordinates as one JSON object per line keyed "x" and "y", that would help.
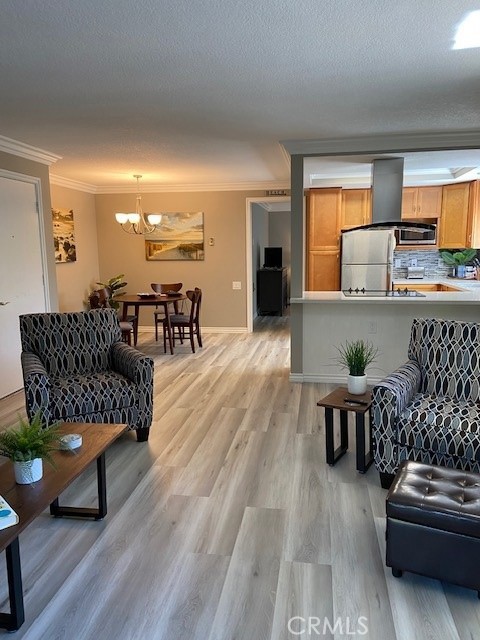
{"x": 344, "y": 402}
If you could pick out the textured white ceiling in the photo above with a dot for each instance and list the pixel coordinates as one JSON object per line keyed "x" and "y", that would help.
{"x": 201, "y": 91}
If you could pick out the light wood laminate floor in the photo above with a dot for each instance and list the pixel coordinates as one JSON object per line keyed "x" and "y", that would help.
{"x": 228, "y": 523}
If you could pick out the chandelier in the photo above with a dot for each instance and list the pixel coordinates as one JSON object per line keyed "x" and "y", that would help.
{"x": 136, "y": 221}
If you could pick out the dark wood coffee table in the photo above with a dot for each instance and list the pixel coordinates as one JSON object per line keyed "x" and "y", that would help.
{"x": 30, "y": 500}
{"x": 338, "y": 400}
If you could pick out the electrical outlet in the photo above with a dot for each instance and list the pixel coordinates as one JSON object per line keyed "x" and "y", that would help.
{"x": 413, "y": 262}
{"x": 372, "y": 326}
{"x": 211, "y": 242}
{"x": 236, "y": 285}
{"x": 398, "y": 263}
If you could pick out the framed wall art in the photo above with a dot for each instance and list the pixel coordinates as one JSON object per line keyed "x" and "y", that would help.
{"x": 64, "y": 235}
{"x": 179, "y": 236}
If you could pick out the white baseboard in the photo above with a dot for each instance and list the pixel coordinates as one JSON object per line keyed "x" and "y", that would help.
{"x": 151, "y": 329}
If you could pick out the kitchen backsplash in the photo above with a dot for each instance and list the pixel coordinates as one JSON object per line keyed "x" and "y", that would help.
{"x": 430, "y": 260}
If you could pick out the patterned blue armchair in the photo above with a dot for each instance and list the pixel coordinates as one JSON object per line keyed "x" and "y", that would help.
{"x": 428, "y": 409}
{"x": 77, "y": 369}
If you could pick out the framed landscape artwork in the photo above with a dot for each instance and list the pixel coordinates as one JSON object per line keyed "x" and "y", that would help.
{"x": 64, "y": 235}
{"x": 179, "y": 236}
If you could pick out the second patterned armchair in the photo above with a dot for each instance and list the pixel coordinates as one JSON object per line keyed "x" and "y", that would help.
{"x": 428, "y": 410}
{"x": 77, "y": 369}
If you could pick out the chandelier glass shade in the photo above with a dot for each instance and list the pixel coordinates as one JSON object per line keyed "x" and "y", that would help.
{"x": 137, "y": 221}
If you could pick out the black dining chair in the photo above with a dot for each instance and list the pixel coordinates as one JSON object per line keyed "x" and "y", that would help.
{"x": 187, "y": 325}
{"x": 100, "y": 299}
{"x": 165, "y": 288}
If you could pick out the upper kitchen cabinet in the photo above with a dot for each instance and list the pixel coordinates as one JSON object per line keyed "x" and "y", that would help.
{"x": 460, "y": 216}
{"x": 323, "y": 244}
{"x": 356, "y": 208}
{"x": 422, "y": 202}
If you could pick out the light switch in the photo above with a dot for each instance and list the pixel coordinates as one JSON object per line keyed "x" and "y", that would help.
{"x": 236, "y": 284}
{"x": 211, "y": 242}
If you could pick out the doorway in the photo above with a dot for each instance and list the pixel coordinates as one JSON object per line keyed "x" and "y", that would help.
{"x": 258, "y": 236}
{"x": 23, "y": 279}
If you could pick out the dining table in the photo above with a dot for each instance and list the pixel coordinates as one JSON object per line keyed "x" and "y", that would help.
{"x": 152, "y": 300}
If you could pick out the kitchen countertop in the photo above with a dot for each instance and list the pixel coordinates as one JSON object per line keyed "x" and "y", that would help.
{"x": 469, "y": 294}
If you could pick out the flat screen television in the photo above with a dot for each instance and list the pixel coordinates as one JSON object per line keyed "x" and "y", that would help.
{"x": 273, "y": 258}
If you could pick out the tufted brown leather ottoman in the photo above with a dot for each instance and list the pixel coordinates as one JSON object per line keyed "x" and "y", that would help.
{"x": 433, "y": 523}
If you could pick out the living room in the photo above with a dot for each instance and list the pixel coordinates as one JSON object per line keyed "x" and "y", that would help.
{"x": 228, "y": 523}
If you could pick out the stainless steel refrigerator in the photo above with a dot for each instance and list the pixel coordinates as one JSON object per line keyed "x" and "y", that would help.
{"x": 367, "y": 259}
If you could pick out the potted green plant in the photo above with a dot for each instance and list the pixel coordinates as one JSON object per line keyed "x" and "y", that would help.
{"x": 355, "y": 357}
{"x": 458, "y": 260}
{"x": 114, "y": 285}
{"x": 28, "y": 445}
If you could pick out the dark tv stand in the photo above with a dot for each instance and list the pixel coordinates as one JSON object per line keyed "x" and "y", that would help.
{"x": 271, "y": 290}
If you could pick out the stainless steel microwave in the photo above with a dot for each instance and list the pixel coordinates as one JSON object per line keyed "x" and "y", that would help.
{"x": 414, "y": 236}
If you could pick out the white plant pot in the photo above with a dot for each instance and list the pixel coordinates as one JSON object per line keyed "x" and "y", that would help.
{"x": 357, "y": 385}
{"x": 28, "y": 472}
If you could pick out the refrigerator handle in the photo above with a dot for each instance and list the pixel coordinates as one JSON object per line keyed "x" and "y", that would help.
{"x": 391, "y": 246}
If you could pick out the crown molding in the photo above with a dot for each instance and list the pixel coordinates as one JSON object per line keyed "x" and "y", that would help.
{"x": 163, "y": 188}
{"x": 16, "y": 148}
{"x": 72, "y": 184}
{"x": 275, "y": 204}
{"x": 385, "y": 143}
{"x": 286, "y": 156}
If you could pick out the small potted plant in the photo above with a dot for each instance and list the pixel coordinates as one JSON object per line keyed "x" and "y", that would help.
{"x": 355, "y": 357}
{"x": 458, "y": 260}
{"x": 28, "y": 445}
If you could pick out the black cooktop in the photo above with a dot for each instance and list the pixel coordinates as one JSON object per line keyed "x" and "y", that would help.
{"x": 404, "y": 292}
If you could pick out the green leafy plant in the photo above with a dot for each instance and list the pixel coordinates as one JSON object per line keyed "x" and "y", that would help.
{"x": 459, "y": 257}
{"x": 114, "y": 285}
{"x": 30, "y": 440}
{"x": 356, "y": 356}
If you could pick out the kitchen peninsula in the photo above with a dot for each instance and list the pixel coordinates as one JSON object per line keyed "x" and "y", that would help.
{"x": 329, "y": 318}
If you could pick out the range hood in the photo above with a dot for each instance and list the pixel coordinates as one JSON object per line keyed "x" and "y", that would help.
{"x": 387, "y": 186}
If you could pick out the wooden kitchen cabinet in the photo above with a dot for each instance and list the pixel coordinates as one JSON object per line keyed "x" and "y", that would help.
{"x": 422, "y": 202}
{"x": 423, "y": 287}
{"x": 459, "y": 227}
{"x": 323, "y": 242}
{"x": 432, "y": 287}
{"x": 324, "y": 271}
{"x": 356, "y": 208}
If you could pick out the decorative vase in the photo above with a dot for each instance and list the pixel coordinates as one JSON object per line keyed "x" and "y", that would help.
{"x": 28, "y": 472}
{"x": 357, "y": 385}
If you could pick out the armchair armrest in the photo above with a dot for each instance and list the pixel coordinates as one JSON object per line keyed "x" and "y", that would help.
{"x": 132, "y": 364}
{"x": 389, "y": 398}
{"x": 37, "y": 386}
{"x": 139, "y": 369}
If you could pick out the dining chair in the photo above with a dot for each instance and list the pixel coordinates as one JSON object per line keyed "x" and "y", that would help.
{"x": 159, "y": 314}
{"x": 100, "y": 299}
{"x": 187, "y": 325}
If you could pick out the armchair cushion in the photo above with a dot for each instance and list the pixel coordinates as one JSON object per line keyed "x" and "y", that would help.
{"x": 448, "y": 355}
{"x": 443, "y": 425}
{"x": 71, "y": 343}
{"x": 79, "y": 396}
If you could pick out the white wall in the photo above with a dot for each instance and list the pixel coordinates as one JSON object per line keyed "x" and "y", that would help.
{"x": 329, "y": 324}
